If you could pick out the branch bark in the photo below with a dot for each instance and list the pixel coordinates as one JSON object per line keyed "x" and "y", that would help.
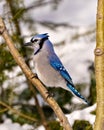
{"x": 20, "y": 61}
{"x": 99, "y": 66}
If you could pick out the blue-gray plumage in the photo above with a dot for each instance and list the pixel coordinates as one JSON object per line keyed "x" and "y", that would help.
{"x": 48, "y": 66}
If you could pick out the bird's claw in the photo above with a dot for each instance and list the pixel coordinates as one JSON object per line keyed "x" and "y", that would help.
{"x": 49, "y": 94}
{"x": 34, "y": 76}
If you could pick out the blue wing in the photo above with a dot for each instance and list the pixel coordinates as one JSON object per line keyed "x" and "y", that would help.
{"x": 57, "y": 65}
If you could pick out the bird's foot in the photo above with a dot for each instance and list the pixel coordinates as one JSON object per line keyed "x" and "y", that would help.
{"x": 49, "y": 94}
{"x": 34, "y": 76}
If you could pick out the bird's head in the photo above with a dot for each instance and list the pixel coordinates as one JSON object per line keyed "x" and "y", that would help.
{"x": 37, "y": 42}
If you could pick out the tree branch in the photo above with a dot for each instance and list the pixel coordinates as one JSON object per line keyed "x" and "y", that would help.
{"x": 16, "y": 112}
{"x": 20, "y": 61}
{"x": 99, "y": 66}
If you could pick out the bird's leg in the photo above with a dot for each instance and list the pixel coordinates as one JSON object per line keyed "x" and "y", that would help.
{"x": 34, "y": 76}
{"x": 49, "y": 94}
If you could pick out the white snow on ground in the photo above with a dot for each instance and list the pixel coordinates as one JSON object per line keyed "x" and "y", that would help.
{"x": 40, "y": 128}
{"x": 84, "y": 114}
{"x": 9, "y": 125}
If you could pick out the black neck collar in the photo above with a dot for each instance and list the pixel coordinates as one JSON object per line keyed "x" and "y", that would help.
{"x": 41, "y": 45}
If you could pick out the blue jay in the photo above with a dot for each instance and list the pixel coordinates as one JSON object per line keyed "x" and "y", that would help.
{"x": 48, "y": 66}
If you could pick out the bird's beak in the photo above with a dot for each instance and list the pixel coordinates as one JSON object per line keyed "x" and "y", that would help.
{"x": 28, "y": 44}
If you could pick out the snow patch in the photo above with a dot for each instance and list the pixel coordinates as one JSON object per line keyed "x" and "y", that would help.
{"x": 84, "y": 114}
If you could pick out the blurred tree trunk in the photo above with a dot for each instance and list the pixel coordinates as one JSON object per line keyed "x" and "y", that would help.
{"x": 99, "y": 66}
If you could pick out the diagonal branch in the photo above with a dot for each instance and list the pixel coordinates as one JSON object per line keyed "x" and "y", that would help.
{"x": 20, "y": 61}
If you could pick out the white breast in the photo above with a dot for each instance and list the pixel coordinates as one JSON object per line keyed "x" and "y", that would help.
{"x": 46, "y": 73}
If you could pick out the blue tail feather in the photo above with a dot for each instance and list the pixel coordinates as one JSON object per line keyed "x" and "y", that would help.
{"x": 76, "y": 93}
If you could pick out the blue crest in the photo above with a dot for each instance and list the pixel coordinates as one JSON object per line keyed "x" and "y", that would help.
{"x": 40, "y": 36}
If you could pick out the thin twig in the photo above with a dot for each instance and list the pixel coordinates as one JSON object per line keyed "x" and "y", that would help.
{"x": 3, "y": 110}
{"x": 17, "y": 112}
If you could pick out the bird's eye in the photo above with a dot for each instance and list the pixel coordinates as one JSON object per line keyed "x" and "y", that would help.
{"x": 34, "y": 40}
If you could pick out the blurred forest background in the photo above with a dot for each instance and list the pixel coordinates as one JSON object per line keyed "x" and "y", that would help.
{"x": 71, "y": 27}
